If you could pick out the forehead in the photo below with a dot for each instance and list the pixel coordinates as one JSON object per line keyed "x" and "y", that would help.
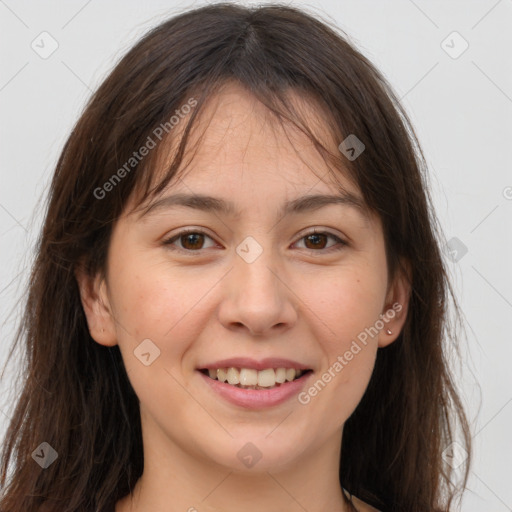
{"x": 238, "y": 149}
{"x": 236, "y": 128}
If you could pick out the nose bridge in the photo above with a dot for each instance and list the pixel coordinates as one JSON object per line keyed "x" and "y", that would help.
{"x": 256, "y": 279}
{"x": 258, "y": 298}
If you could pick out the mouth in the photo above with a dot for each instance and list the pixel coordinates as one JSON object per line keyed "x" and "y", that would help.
{"x": 250, "y": 378}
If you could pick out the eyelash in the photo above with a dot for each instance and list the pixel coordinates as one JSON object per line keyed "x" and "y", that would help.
{"x": 168, "y": 242}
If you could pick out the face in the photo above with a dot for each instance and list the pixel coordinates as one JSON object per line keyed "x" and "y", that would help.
{"x": 255, "y": 288}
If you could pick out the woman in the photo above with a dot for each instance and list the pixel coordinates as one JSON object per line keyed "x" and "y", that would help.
{"x": 239, "y": 298}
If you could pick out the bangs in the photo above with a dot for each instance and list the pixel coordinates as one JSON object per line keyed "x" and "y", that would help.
{"x": 288, "y": 108}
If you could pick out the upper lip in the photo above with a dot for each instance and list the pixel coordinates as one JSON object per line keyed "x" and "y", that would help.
{"x": 262, "y": 364}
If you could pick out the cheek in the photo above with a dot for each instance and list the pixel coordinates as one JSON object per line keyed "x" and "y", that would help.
{"x": 347, "y": 303}
{"x": 345, "y": 309}
{"x": 155, "y": 301}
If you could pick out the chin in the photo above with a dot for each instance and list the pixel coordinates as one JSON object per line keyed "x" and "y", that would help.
{"x": 256, "y": 451}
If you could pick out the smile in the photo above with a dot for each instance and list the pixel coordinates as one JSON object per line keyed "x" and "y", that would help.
{"x": 250, "y": 378}
{"x": 255, "y": 384}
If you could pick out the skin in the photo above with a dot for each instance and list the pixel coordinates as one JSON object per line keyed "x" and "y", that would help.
{"x": 295, "y": 301}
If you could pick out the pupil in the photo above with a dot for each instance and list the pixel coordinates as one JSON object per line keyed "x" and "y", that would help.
{"x": 309, "y": 237}
{"x": 191, "y": 236}
{"x": 193, "y": 240}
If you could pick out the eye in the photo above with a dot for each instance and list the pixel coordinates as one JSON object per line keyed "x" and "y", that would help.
{"x": 316, "y": 239}
{"x": 192, "y": 241}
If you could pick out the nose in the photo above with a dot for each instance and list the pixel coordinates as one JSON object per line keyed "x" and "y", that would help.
{"x": 257, "y": 298}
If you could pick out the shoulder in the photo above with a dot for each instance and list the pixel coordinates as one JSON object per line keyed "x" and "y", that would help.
{"x": 362, "y": 506}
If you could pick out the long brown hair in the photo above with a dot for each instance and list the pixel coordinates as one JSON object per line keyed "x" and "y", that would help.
{"x": 76, "y": 395}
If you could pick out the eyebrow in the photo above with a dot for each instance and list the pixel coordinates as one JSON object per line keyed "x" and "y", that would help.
{"x": 296, "y": 206}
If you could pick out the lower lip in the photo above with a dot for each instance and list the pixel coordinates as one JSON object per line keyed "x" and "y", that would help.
{"x": 256, "y": 398}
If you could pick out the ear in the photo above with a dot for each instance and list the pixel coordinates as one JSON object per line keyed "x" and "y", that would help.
{"x": 94, "y": 297}
{"x": 397, "y": 305}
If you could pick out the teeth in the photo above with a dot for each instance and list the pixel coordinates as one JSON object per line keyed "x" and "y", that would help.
{"x": 233, "y": 376}
{"x": 280, "y": 375}
{"x": 290, "y": 374}
{"x": 250, "y": 378}
{"x": 267, "y": 378}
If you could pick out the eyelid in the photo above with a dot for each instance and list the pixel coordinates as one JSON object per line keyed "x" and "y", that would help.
{"x": 313, "y": 231}
{"x": 170, "y": 240}
{"x": 321, "y": 231}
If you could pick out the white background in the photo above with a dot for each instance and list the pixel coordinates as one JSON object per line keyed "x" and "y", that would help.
{"x": 461, "y": 108}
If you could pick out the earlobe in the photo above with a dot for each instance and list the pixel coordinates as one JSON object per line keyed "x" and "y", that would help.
{"x": 397, "y": 303}
{"x": 95, "y": 302}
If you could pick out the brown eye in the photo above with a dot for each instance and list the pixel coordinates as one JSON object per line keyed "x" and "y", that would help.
{"x": 316, "y": 241}
{"x": 189, "y": 241}
{"x": 192, "y": 241}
